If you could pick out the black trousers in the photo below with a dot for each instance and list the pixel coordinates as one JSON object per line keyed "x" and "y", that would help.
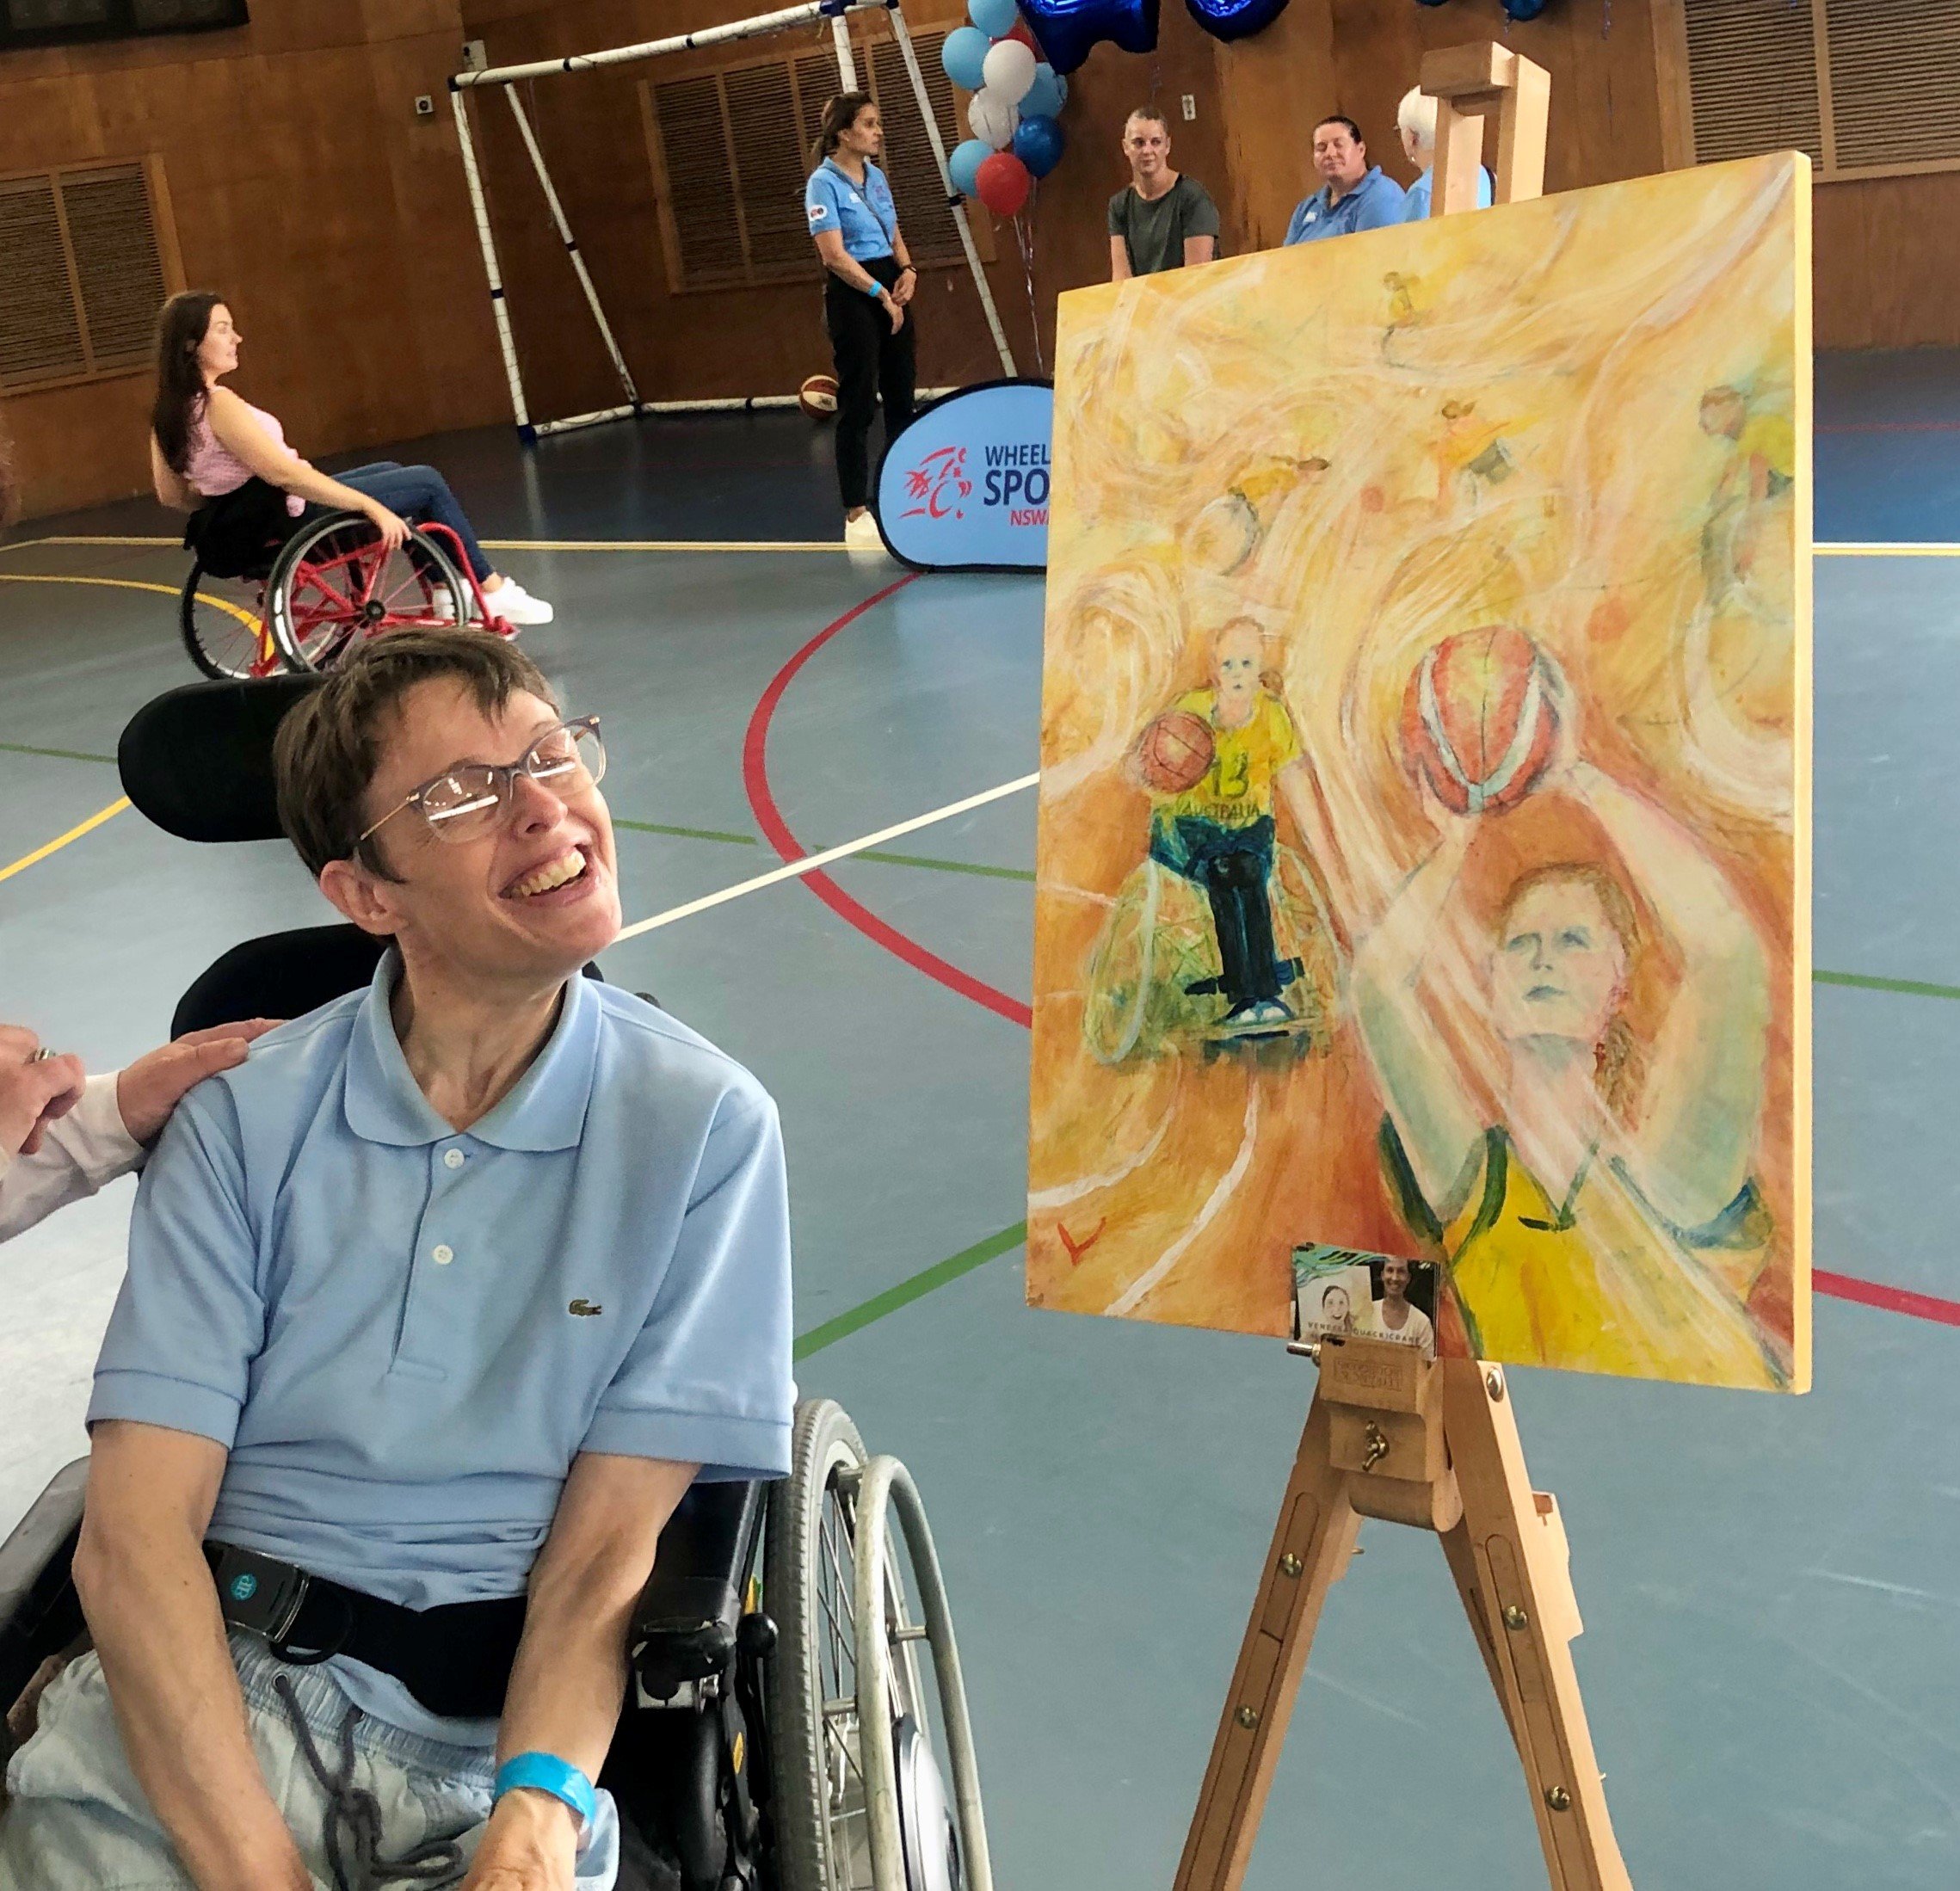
{"x": 871, "y": 362}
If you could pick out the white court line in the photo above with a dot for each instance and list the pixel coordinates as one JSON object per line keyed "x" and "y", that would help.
{"x": 795, "y": 870}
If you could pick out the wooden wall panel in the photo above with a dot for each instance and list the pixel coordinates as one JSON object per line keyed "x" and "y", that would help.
{"x": 1887, "y": 269}
{"x": 305, "y": 189}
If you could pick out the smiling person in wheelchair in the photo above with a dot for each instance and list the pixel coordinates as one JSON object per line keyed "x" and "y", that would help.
{"x": 438, "y": 1303}
{"x": 216, "y": 456}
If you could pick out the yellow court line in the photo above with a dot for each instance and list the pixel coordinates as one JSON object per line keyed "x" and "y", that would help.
{"x": 132, "y": 584}
{"x": 61, "y": 841}
{"x": 1881, "y": 548}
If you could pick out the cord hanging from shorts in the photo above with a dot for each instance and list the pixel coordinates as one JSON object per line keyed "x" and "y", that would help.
{"x": 430, "y": 1862}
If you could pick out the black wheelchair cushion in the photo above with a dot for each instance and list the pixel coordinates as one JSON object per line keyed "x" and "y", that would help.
{"x": 684, "y": 1628}
{"x": 198, "y": 760}
{"x": 39, "y": 1613}
{"x": 284, "y": 975}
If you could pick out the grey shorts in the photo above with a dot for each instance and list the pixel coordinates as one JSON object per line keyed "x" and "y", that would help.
{"x": 78, "y": 1821}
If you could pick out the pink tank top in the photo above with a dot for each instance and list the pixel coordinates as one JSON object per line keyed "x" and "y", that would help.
{"x": 212, "y": 470}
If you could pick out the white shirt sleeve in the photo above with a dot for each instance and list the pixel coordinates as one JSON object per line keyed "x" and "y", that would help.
{"x": 79, "y": 1152}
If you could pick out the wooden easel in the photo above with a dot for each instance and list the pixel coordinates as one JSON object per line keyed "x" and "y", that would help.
{"x": 1390, "y": 1434}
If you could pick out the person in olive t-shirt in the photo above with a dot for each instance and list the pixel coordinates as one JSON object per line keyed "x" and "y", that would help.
{"x": 1159, "y": 219}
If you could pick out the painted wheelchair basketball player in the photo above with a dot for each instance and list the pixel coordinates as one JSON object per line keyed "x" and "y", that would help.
{"x": 1602, "y": 1216}
{"x": 1212, "y": 764}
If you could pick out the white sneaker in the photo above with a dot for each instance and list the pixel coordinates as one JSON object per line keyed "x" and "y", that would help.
{"x": 515, "y": 605}
{"x": 861, "y": 534}
{"x": 441, "y": 606}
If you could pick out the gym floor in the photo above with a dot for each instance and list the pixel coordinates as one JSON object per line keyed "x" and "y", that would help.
{"x": 1772, "y": 1615}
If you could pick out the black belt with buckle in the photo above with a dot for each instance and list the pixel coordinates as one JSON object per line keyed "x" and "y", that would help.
{"x": 455, "y": 1659}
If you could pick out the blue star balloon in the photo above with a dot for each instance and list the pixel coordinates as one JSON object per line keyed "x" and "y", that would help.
{"x": 1239, "y": 19}
{"x": 1068, "y": 29}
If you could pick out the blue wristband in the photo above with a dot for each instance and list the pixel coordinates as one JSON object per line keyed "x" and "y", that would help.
{"x": 876, "y": 290}
{"x": 547, "y": 1773}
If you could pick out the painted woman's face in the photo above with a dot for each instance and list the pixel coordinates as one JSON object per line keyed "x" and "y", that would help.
{"x": 1559, "y": 967}
{"x": 1334, "y": 1308}
{"x": 1238, "y": 672}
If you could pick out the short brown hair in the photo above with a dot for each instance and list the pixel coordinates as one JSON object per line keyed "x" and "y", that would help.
{"x": 329, "y": 745}
{"x": 1154, "y": 115}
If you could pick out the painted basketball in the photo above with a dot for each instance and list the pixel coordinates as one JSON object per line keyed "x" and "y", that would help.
{"x": 817, "y": 396}
{"x": 1175, "y": 751}
{"x": 1479, "y": 717}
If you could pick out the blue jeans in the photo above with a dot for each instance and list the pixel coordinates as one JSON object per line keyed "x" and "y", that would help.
{"x": 422, "y": 495}
{"x": 79, "y": 1822}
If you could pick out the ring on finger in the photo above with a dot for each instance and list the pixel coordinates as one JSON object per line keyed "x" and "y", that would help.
{"x": 42, "y": 1054}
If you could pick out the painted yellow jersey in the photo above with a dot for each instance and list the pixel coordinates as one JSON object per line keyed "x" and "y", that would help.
{"x": 1601, "y": 1282}
{"x": 1772, "y": 439}
{"x": 1237, "y": 788}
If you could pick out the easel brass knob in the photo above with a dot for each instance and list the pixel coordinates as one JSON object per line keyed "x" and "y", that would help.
{"x": 1248, "y": 1718}
{"x": 1378, "y": 1446}
{"x": 1515, "y": 1617}
{"x": 1494, "y": 1384}
{"x": 1290, "y": 1565}
{"x": 1558, "y": 1799}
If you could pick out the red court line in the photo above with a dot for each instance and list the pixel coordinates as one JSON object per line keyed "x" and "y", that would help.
{"x": 762, "y": 801}
{"x": 1869, "y": 1293}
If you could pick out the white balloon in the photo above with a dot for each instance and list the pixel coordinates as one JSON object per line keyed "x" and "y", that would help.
{"x": 991, "y": 118}
{"x": 1008, "y": 69}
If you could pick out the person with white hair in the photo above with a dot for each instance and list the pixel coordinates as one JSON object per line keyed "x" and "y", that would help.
{"x": 1415, "y": 119}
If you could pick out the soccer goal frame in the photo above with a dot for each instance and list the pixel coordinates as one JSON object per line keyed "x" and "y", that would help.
{"x": 510, "y": 77}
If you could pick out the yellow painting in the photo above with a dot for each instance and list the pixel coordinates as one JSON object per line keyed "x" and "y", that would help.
{"x": 1424, "y": 822}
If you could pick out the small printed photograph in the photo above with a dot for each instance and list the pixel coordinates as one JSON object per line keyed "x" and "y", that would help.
{"x": 1340, "y": 1292}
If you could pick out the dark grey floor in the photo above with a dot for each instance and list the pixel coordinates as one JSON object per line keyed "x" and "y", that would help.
{"x": 1772, "y": 1650}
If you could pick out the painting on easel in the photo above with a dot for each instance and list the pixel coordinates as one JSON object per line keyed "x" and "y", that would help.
{"x": 1424, "y": 828}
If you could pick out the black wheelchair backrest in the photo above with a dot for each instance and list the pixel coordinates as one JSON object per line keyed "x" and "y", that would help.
{"x": 198, "y": 760}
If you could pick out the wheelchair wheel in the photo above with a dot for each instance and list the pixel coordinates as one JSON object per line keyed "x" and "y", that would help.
{"x": 223, "y": 621}
{"x": 860, "y": 1804}
{"x": 336, "y": 584}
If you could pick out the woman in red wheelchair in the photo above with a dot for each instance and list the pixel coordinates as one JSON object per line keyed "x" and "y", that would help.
{"x": 210, "y": 449}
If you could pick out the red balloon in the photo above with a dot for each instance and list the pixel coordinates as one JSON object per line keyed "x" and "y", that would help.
{"x": 1026, "y": 36}
{"x": 1002, "y": 183}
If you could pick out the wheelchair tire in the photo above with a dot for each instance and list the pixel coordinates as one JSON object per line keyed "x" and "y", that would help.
{"x": 334, "y": 586}
{"x": 817, "y": 1792}
{"x": 221, "y": 623}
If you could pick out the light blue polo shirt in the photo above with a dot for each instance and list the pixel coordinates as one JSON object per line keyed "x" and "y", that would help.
{"x": 1373, "y": 204}
{"x": 1415, "y": 198}
{"x": 404, "y": 1334}
{"x": 867, "y": 217}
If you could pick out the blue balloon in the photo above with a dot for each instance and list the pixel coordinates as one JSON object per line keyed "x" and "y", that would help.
{"x": 1241, "y": 19}
{"x": 963, "y": 53}
{"x": 1044, "y": 96}
{"x": 995, "y": 18}
{"x": 1068, "y": 29}
{"x": 1037, "y": 144}
{"x": 1524, "y": 9}
{"x": 964, "y": 165}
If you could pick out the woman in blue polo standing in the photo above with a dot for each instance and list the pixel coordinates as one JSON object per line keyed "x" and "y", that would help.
{"x": 866, "y": 293}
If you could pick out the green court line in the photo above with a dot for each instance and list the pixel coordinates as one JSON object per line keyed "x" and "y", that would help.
{"x": 687, "y": 834}
{"x": 1913, "y": 987}
{"x": 60, "y": 754}
{"x": 907, "y": 1292}
{"x": 890, "y": 859}
{"x": 948, "y": 866}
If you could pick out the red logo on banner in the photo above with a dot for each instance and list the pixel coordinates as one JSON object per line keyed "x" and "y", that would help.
{"x": 939, "y": 482}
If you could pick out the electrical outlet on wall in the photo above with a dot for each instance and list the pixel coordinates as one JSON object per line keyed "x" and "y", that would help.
{"x": 476, "y": 57}
{"x": 424, "y": 106}
{"x": 1190, "y": 105}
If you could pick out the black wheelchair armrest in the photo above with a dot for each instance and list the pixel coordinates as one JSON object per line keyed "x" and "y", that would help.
{"x": 39, "y": 1613}
{"x": 684, "y": 1625}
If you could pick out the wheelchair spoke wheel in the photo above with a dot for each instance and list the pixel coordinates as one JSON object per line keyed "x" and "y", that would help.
{"x": 817, "y": 1721}
{"x": 336, "y": 584}
{"x": 223, "y": 626}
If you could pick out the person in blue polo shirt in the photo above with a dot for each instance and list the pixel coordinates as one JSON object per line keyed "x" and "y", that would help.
{"x": 1415, "y": 119}
{"x": 444, "y": 1296}
{"x": 1355, "y": 194}
{"x": 867, "y": 294}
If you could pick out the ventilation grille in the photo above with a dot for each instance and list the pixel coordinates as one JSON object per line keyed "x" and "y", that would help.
{"x": 1753, "y": 65}
{"x": 83, "y": 277}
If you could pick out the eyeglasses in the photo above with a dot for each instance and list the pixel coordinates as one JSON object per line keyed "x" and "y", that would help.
{"x": 468, "y": 800}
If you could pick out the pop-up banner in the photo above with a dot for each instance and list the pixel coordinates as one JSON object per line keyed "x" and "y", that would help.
{"x": 964, "y": 487}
